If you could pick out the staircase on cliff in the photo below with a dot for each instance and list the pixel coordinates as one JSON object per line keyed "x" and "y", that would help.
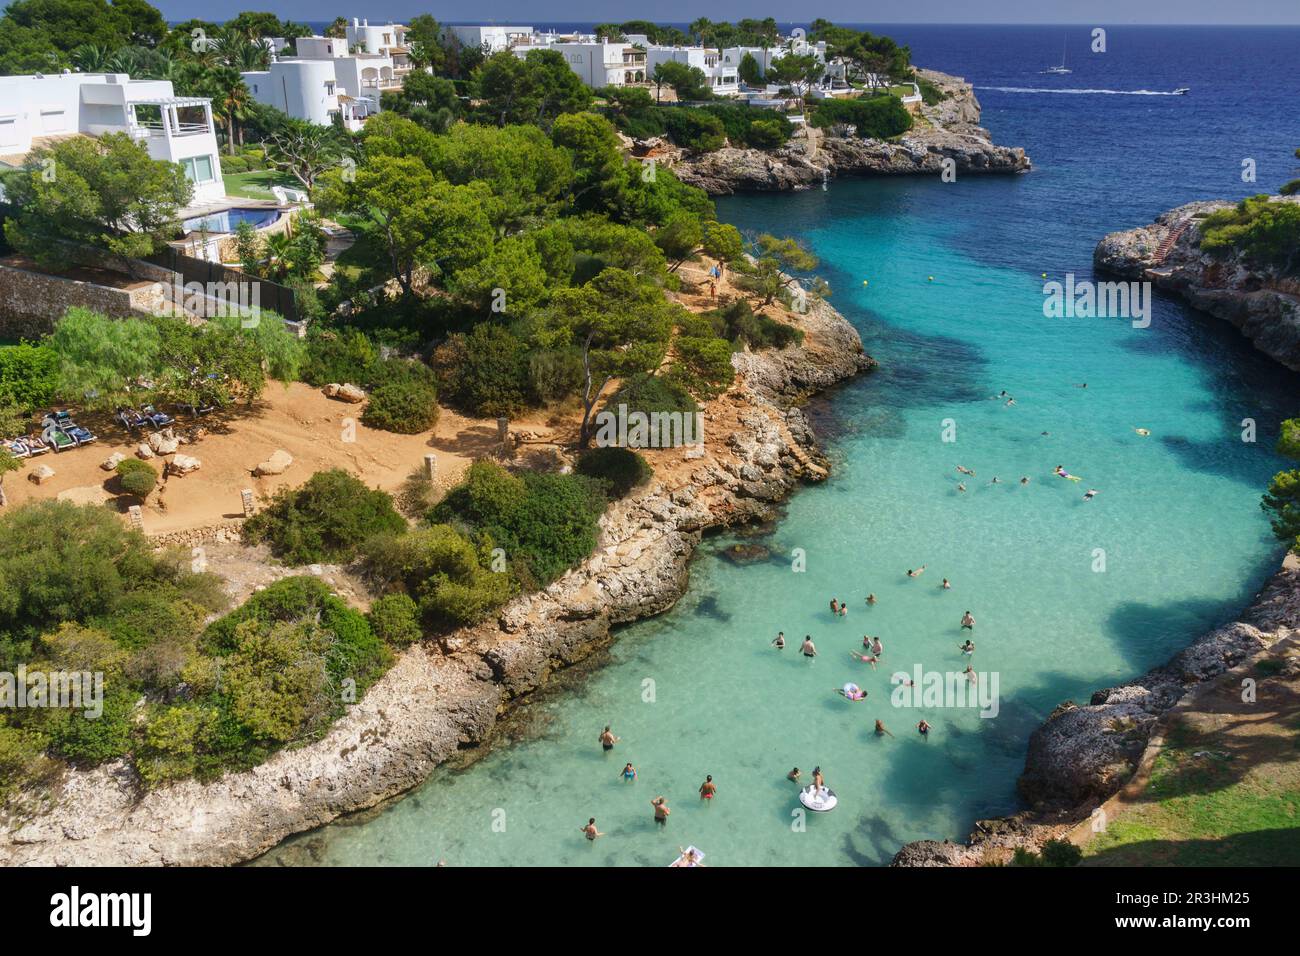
{"x": 1171, "y": 237}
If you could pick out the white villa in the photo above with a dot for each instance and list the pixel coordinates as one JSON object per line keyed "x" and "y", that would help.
{"x": 722, "y": 76}
{"x": 597, "y": 62}
{"x": 173, "y": 128}
{"x": 489, "y": 39}
{"x": 327, "y": 81}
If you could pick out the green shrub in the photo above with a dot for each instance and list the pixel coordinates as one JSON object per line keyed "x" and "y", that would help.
{"x": 738, "y": 323}
{"x": 545, "y": 523}
{"x": 343, "y": 356}
{"x": 554, "y": 374}
{"x": 28, "y": 376}
{"x": 652, "y": 393}
{"x": 395, "y": 619}
{"x": 877, "y": 117}
{"x": 746, "y": 126}
{"x": 694, "y": 129}
{"x": 24, "y": 768}
{"x": 1291, "y": 188}
{"x": 618, "y": 469}
{"x": 703, "y": 365}
{"x": 136, "y": 477}
{"x": 325, "y": 519}
{"x": 443, "y": 572}
{"x": 1260, "y": 229}
{"x": 484, "y": 373}
{"x": 76, "y": 736}
{"x": 403, "y": 405}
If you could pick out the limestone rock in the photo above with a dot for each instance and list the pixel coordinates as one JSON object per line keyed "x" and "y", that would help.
{"x": 112, "y": 461}
{"x": 144, "y": 451}
{"x": 277, "y": 464}
{"x": 40, "y": 474}
{"x": 346, "y": 393}
{"x": 163, "y": 443}
{"x": 183, "y": 465}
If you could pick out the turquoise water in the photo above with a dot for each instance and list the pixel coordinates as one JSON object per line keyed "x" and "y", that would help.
{"x": 1177, "y": 515}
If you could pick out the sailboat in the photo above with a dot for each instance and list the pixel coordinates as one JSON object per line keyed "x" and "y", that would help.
{"x": 1062, "y": 69}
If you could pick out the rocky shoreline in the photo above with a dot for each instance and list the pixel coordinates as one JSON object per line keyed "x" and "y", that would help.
{"x": 1084, "y": 754}
{"x": 948, "y": 129}
{"x": 438, "y": 700}
{"x": 1264, "y": 305}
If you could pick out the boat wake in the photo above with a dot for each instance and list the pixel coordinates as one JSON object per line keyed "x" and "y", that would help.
{"x": 1034, "y": 89}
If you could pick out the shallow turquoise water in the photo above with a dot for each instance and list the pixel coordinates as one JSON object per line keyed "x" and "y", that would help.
{"x": 1177, "y": 517}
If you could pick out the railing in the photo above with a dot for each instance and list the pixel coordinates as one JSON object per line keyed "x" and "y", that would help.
{"x": 180, "y": 129}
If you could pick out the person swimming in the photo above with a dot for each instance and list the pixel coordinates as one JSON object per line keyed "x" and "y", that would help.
{"x": 808, "y": 648}
{"x": 607, "y": 739}
{"x": 996, "y": 480}
{"x": 968, "y": 647}
{"x": 965, "y": 471}
{"x": 918, "y": 572}
{"x": 923, "y": 728}
{"x": 794, "y": 775}
{"x": 835, "y": 607}
{"x": 629, "y": 772}
{"x": 590, "y": 830}
{"x": 877, "y": 646}
{"x": 1062, "y": 473}
{"x": 881, "y": 729}
{"x": 970, "y": 672}
{"x": 851, "y": 691}
{"x": 871, "y": 599}
{"x": 961, "y": 486}
{"x": 968, "y": 621}
{"x": 1024, "y": 479}
{"x": 708, "y": 788}
{"x": 1144, "y": 432}
{"x": 1090, "y": 494}
{"x": 864, "y": 658}
{"x": 779, "y": 641}
{"x": 946, "y": 585}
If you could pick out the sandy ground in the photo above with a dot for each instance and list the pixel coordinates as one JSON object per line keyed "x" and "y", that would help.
{"x": 296, "y": 418}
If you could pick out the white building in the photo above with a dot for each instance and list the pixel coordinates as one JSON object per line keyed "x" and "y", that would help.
{"x": 174, "y": 128}
{"x": 325, "y": 82}
{"x": 720, "y": 75}
{"x": 363, "y": 38}
{"x": 598, "y": 63}
{"x": 489, "y": 39}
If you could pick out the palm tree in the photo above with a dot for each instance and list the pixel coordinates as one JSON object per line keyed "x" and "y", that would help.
{"x": 231, "y": 103}
{"x": 91, "y": 58}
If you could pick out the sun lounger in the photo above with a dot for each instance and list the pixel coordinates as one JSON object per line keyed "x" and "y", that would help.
{"x": 61, "y": 423}
{"x": 36, "y": 445}
{"x": 130, "y": 418}
{"x": 56, "y": 437}
{"x": 16, "y": 447}
{"x": 156, "y": 418}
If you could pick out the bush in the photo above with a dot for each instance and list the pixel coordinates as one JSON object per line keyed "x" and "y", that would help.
{"x": 652, "y": 393}
{"x": 325, "y": 519}
{"x": 554, "y": 374}
{"x": 484, "y": 373}
{"x": 694, "y": 129}
{"x": 545, "y": 523}
{"x": 747, "y": 126}
{"x": 442, "y": 572}
{"x": 395, "y": 619}
{"x": 618, "y": 469}
{"x": 136, "y": 477}
{"x": 1291, "y": 188}
{"x": 403, "y": 405}
{"x": 738, "y": 323}
{"x": 877, "y": 117}
{"x": 344, "y": 356}
{"x": 28, "y": 376}
{"x": 1259, "y": 229}
{"x": 24, "y": 768}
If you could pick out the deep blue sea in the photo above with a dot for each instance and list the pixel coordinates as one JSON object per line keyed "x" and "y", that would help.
{"x": 944, "y": 280}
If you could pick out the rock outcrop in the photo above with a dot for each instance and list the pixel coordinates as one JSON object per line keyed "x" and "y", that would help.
{"x": 1259, "y": 301}
{"x": 1083, "y": 754}
{"x": 948, "y": 129}
{"x": 438, "y": 700}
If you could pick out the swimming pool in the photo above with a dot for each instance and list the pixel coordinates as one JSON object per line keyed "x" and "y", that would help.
{"x": 228, "y": 220}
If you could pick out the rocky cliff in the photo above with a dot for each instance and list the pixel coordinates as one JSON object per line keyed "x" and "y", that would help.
{"x": 1264, "y": 305}
{"x": 1084, "y": 754}
{"x": 948, "y": 129}
{"x": 437, "y": 700}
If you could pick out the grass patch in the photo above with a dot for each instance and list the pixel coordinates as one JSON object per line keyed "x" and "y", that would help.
{"x": 257, "y": 185}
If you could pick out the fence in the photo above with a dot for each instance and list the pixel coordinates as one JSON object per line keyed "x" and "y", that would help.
{"x": 271, "y": 295}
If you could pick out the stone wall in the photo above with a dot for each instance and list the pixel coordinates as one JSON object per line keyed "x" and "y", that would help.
{"x": 226, "y": 531}
{"x": 31, "y": 302}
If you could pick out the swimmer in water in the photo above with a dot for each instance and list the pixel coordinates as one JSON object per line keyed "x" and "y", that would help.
{"x": 857, "y": 693}
{"x": 881, "y": 729}
{"x": 794, "y": 775}
{"x": 864, "y": 658}
{"x": 947, "y": 586}
{"x": 607, "y": 739}
{"x": 779, "y": 641}
{"x": 590, "y": 830}
{"x": 629, "y": 772}
{"x": 996, "y": 480}
{"x": 871, "y": 599}
{"x": 965, "y": 471}
{"x": 877, "y": 647}
{"x": 1024, "y": 480}
{"x": 918, "y": 572}
{"x": 968, "y": 648}
{"x": 708, "y": 788}
{"x": 1010, "y": 402}
{"x": 844, "y": 609}
{"x": 968, "y": 621}
{"x": 835, "y": 607}
{"x": 1090, "y": 494}
{"x": 661, "y": 810}
{"x": 923, "y": 728}
{"x": 970, "y": 672}
{"x": 1144, "y": 432}
{"x": 808, "y": 648}
{"x": 961, "y": 486}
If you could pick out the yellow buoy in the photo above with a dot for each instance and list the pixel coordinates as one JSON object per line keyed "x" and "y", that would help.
{"x": 1044, "y": 275}
{"x": 864, "y": 282}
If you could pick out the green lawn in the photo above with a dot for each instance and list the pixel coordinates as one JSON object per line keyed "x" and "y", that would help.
{"x": 257, "y": 185}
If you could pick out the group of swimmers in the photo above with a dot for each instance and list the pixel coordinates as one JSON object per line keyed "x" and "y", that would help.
{"x": 607, "y": 739}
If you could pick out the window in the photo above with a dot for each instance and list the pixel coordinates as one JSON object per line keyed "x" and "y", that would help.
{"x": 198, "y": 169}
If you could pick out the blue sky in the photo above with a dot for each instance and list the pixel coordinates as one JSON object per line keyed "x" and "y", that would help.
{"x": 1100, "y": 12}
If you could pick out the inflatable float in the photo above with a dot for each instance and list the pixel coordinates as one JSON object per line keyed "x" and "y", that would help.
{"x": 696, "y": 857}
{"x": 818, "y": 799}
